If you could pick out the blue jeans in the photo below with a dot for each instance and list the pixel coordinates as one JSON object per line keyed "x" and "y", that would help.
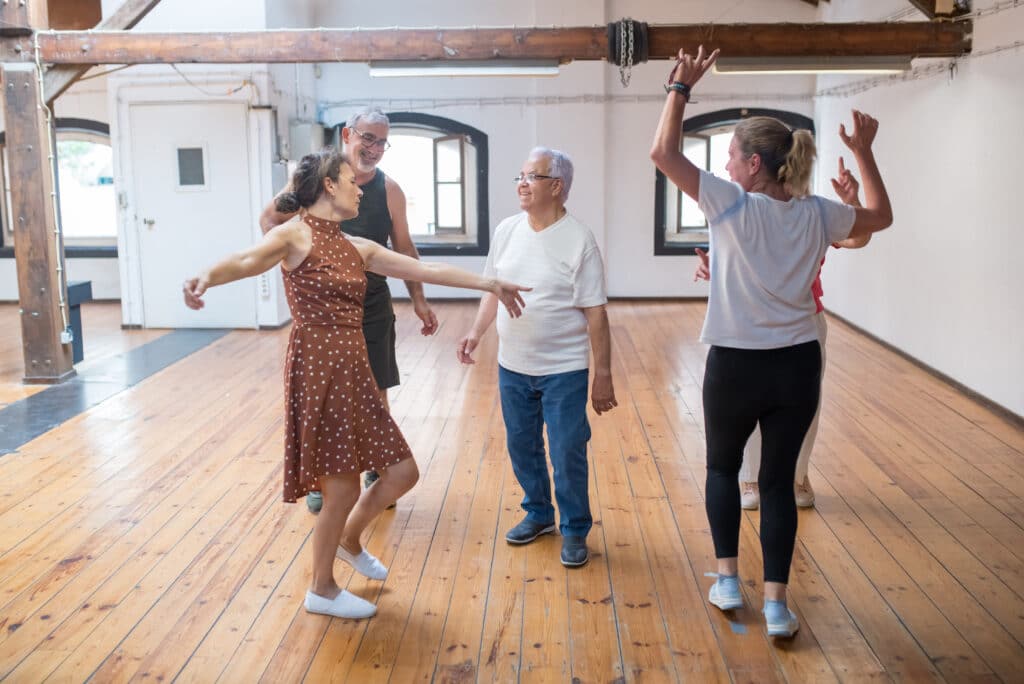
{"x": 528, "y": 402}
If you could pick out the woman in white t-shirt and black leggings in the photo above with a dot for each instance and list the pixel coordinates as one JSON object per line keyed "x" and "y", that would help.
{"x": 768, "y": 236}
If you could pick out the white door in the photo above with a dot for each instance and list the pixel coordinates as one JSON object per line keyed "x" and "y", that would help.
{"x": 190, "y": 172}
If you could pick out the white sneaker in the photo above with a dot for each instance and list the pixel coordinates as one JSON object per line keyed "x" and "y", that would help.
{"x": 750, "y": 496}
{"x": 344, "y": 605}
{"x": 784, "y": 628}
{"x": 804, "y": 494}
{"x": 365, "y": 564}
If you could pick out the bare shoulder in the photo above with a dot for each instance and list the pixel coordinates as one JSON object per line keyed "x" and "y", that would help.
{"x": 392, "y": 188}
{"x": 366, "y": 248}
{"x": 291, "y": 230}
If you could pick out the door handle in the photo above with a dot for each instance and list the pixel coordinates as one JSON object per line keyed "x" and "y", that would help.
{"x": 149, "y": 222}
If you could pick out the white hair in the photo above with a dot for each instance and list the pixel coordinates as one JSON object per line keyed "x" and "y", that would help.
{"x": 371, "y": 115}
{"x": 559, "y": 166}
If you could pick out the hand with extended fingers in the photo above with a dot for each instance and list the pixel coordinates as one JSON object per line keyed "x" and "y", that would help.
{"x": 703, "y": 271}
{"x": 846, "y": 186}
{"x": 508, "y": 294}
{"x": 689, "y": 69}
{"x": 864, "y": 130}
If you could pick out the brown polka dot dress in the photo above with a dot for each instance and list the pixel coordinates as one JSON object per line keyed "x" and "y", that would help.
{"x": 335, "y": 421}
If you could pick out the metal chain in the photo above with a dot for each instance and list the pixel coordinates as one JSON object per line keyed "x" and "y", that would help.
{"x": 51, "y": 159}
{"x": 625, "y": 65}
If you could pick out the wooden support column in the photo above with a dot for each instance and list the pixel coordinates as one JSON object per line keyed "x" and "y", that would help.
{"x": 41, "y": 282}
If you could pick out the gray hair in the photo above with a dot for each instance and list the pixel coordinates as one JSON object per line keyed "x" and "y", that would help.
{"x": 371, "y": 115}
{"x": 559, "y": 166}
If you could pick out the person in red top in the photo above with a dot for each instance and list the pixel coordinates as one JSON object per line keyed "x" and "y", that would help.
{"x": 847, "y": 188}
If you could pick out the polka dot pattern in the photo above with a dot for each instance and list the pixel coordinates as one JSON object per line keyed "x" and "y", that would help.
{"x": 335, "y": 421}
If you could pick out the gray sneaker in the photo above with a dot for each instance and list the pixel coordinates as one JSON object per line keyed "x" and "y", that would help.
{"x": 314, "y": 502}
{"x": 526, "y": 531}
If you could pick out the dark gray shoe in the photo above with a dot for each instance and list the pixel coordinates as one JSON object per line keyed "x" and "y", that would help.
{"x": 526, "y": 531}
{"x": 574, "y": 551}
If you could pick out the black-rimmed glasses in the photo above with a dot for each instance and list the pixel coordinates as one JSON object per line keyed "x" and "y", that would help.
{"x": 370, "y": 140}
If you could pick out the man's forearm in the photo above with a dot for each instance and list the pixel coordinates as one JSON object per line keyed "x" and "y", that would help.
{"x": 601, "y": 343}
{"x": 415, "y": 288}
{"x": 485, "y": 314}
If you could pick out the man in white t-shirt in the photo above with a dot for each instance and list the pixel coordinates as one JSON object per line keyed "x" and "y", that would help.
{"x": 543, "y": 356}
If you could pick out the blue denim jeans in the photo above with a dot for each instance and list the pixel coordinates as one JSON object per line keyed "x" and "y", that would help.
{"x": 528, "y": 402}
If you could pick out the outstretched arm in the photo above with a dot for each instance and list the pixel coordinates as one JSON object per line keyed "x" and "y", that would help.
{"x": 389, "y": 263}
{"x": 276, "y": 245}
{"x": 665, "y": 153}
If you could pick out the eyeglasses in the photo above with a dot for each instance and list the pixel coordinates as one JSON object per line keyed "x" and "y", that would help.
{"x": 370, "y": 140}
{"x": 531, "y": 177}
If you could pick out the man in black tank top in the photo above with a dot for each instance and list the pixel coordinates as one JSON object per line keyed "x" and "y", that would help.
{"x": 381, "y": 219}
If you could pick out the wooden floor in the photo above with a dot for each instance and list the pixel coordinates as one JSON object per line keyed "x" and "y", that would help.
{"x": 145, "y": 539}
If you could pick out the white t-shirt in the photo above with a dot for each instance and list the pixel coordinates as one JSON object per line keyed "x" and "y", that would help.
{"x": 764, "y": 256}
{"x": 563, "y": 266}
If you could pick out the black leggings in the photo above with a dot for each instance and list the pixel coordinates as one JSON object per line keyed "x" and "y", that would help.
{"x": 778, "y": 388}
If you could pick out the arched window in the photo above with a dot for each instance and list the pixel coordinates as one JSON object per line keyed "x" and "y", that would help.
{"x": 441, "y": 165}
{"x": 85, "y": 182}
{"x": 679, "y": 225}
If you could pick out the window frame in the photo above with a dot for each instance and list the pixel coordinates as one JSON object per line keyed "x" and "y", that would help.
{"x": 698, "y": 124}
{"x": 476, "y": 138}
{"x": 94, "y": 131}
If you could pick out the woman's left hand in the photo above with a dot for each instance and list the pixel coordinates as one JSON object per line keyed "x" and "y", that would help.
{"x": 508, "y": 294}
{"x": 690, "y": 69}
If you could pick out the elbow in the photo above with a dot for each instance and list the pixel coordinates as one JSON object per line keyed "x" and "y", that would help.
{"x": 658, "y": 154}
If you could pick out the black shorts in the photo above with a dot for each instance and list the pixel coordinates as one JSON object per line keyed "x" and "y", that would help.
{"x": 379, "y": 331}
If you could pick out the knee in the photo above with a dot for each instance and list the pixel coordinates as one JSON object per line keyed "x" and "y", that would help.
{"x": 404, "y": 475}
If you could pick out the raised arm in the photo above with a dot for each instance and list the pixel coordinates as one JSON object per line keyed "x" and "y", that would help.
{"x": 403, "y": 244}
{"x": 848, "y": 190}
{"x": 876, "y": 214}
{"x": 271, "y": 217}
{"x": 666, "y": 153}
{"x": 283, "y": 242}
{"x": 389, "y": 263}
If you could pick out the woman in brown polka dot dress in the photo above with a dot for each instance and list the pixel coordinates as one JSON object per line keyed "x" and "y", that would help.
{"x": 336, "y": 423}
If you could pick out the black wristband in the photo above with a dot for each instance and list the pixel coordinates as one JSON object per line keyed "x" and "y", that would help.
{"x": 680, "y": 88}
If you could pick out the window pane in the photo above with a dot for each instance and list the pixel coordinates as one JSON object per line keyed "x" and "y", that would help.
{"x": 696, "y": 150}
{"x": 720, "y": 153}
{"x": 449, "y": 206}
{"x": 449, "y": 160}
{"x": 410, "y": 162}
{"x": 190, "y": 166}
{"x": 88, "y": 205}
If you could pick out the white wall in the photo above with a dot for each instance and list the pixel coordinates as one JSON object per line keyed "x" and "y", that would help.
{"x": 609, "y": 141}
{"x": 944, "y": 282}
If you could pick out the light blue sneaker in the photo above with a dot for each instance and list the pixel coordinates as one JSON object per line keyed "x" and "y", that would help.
{"x": 725, "y": 593}
{"x": 782, "y": 622}
{"x": 314, "y": 502}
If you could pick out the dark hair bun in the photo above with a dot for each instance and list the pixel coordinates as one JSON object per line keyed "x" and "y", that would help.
{"x": 287, "y": 203}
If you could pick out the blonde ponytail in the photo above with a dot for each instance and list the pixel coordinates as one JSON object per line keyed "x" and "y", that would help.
{"x": 786, "y": 156}
{"x": 795, "y": 174}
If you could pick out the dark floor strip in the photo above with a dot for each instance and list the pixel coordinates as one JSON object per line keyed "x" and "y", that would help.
{"x": 24, "y": 420}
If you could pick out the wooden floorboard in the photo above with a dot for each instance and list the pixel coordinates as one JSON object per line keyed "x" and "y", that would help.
{"x": 144, "y": 539}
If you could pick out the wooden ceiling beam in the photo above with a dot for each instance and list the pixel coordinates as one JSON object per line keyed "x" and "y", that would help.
{"x": 914, "y": 39}
{"x": 60, "y": 78}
